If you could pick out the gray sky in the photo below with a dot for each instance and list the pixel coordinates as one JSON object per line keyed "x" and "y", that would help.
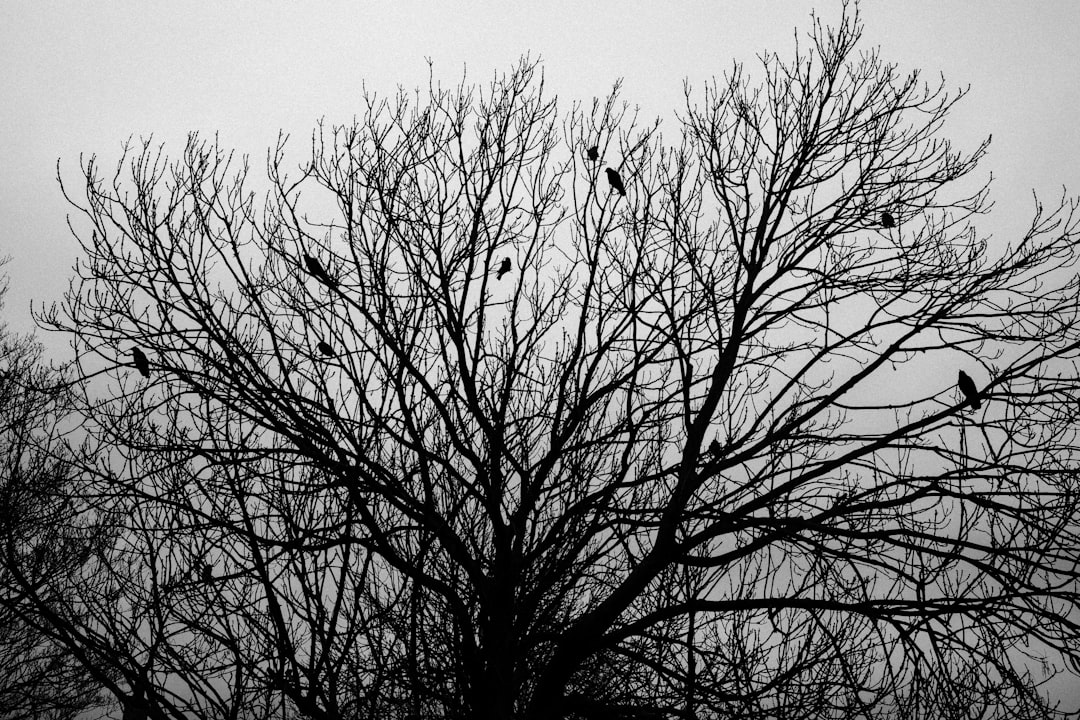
{"x": 81, "y": 77}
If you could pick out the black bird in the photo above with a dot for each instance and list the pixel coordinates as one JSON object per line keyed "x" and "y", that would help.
{"x": 887, "y": 220}
{"x": 503, "y": 269}
{"x": 615, "y": 180}
{"x": 207, "y": 572}
{"x": 325, "y": 348}
{"x": 970, "y": 391}
{"x": 318, "y": 271}
{"x": 593, "y": 153}
{"x": 714, "y": 448}
{"x": 142, "y": 364}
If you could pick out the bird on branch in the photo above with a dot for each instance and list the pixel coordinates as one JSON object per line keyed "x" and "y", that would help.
{"x": 142, "y": 364}
{"x": 317, "y": 270}
{"x": 616, "y": 181}
{"x": 503, "y": 269}
{"x": 593, "y": 153}
{"x": 887, "y": 220}
{"x": 324, "y": 348}
{"x": 968, "y": 388}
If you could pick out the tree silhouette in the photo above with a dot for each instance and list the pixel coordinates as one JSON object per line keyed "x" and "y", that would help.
{"x": 504, "y": 504}
{"x": 42, "y": 547}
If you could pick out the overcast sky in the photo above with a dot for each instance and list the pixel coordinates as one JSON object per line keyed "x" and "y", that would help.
{"x": 81, "y": 77}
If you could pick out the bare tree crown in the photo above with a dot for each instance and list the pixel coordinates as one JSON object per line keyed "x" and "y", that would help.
{"x": 466, "y": 422}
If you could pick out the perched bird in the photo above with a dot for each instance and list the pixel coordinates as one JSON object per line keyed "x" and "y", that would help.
{"x": 207, "y": 574}
{"x": 318, "y": 271}
{"x": 887, "y": 220}
{"x": 714, "y": 448}
{"x": 615, "y": 180}
{"x": 593, "y": 153}
{"x": 324, "y": 348}
{"x": 503, "y": 269}
{"x": 142, "y": 364}
{"x": 970, "y": 391}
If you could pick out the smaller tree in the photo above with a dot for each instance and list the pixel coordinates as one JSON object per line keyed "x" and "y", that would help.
{"x": 41, "y": 547}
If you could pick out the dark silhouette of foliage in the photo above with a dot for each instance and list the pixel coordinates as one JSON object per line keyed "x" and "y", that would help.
{"x": 512, "y": 505}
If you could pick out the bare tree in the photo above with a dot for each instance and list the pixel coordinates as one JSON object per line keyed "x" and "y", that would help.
{"x": 697, "y": 451}
{"x": 39, "y": 547}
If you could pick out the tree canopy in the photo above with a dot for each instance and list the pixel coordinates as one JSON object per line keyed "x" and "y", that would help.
{"x": 702, "y": 454}
{"x": 43, "y": 546}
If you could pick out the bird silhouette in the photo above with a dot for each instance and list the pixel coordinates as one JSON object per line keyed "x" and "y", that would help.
{"x": 142, "y": 364}
{"x": 887, "y": 220}
{"x": 970, "y": 391}
{"x": 615, "y": 180}
{"x": 316, "y": 269}
{"x": 714, "y": 448}
{"x": 207, "y": 574}
{"x": 593, "y": 153}
{"x": 503, "y": 269}
{"x": 324, "y": 348}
